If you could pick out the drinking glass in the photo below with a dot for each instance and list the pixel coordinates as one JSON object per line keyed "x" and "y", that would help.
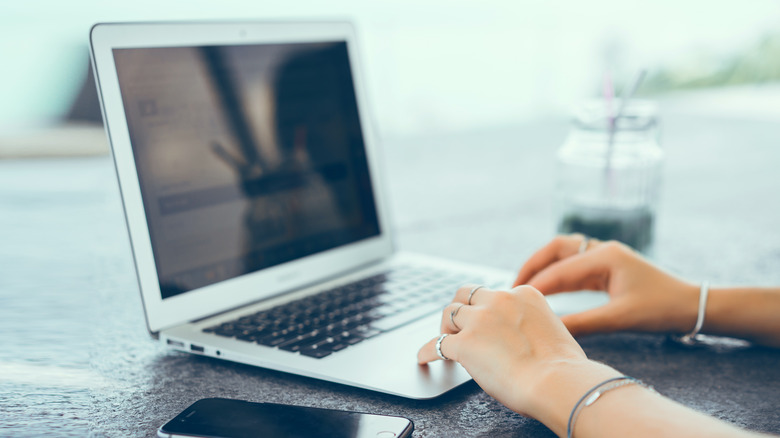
{"x": 609, "y": 174}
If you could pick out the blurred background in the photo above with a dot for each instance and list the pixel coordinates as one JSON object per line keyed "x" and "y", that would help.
{"x": 437, "y": 66}
{"x": 471, "y": 101}
{"x": 484, "y": 91}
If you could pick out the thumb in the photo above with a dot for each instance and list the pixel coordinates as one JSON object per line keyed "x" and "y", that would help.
{"x": 603, "y": 319}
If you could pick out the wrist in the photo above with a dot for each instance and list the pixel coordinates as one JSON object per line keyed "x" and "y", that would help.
{"x": 560, "y": 384}
{"x": 686, "y": 308}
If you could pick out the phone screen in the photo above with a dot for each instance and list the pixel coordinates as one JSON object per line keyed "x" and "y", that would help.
{"x": 224, "y": 418}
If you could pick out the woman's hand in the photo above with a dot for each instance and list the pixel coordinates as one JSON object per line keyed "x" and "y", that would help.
{"x": 515, "y": 348}
{"x": 642, "y": 297}
{"x": 521, "y": 353}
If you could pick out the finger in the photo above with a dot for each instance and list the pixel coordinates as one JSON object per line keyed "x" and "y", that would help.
{"x": 561, "y": 247}
{"x": 448, "y": 317}
{"x": 602, "y": 319}
{"x": 448, "y": 348}
{"x": 454, "y": 317}
{"x": 464, "y": 293}
{"x": 589, "y": 270}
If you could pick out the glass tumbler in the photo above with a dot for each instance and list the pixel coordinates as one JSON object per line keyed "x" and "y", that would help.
{"x": 609, "y": 174}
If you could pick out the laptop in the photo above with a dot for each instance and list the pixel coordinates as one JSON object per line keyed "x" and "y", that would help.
{"x": 253, "y": 195}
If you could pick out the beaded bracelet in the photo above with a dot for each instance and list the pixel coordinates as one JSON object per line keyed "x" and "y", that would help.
{"x": 594, "y": 393}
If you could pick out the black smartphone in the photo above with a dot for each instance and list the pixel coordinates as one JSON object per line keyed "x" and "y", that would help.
{"x": 224, "y": 418}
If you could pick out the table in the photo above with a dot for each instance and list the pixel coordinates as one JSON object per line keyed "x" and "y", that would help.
{"x": 76, "y": 358}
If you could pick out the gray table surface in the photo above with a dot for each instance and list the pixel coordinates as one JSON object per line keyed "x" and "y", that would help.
{"x": 76, "y": 358}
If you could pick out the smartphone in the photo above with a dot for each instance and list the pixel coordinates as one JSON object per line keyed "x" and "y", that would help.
{"x": 224, "y": 418}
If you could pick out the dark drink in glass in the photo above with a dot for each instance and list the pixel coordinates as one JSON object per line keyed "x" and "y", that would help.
{"x": 632, "y": 226}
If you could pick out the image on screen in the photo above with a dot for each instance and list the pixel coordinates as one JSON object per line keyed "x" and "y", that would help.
{"x": 248, "y": 156}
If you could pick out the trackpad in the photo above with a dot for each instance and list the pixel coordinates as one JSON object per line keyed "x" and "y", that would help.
{"x": 575, "y": 302}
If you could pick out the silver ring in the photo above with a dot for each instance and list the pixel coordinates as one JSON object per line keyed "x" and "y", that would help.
{"x": 453, "y": 314}
{"x": 584, "y": 245}
{"x": 471, "y": 294}
{"x": 438, "y": 347}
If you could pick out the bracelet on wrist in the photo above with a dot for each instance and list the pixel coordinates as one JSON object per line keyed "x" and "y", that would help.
{"x": 691, "y": 338}
{"x": 593, "y": 394}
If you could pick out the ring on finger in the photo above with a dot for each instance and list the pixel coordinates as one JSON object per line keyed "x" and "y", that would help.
{"x": 453, "y": 314}
{"x": 471, "y": 294}
{"x": 584, "y": 245}
{"x": 438, "y": 347}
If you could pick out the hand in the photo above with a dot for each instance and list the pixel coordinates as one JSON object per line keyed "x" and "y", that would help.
{"x": 509, "y": 342}
{"x": 520, "y": 353}
{"x": 642, "y": 297}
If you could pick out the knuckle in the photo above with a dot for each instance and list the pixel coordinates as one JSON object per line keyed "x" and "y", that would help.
{"x": 613, "y": 247}
{"x": 502, "y": 298}
{"x": 528, "y": 293}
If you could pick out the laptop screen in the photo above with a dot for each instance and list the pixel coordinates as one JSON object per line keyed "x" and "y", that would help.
{"x": 248, "y": 156}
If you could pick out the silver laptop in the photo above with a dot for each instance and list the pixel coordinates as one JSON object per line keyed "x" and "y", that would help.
{"x": 255, "y": 206}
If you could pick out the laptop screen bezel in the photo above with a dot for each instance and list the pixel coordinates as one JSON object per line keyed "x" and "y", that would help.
{"x": 225, "y": 295}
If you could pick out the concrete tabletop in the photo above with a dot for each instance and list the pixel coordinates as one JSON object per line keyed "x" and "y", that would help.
{"x": 76, "y": 358}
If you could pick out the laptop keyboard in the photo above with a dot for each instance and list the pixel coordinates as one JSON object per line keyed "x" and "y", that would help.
{"x": 330, "y": 321}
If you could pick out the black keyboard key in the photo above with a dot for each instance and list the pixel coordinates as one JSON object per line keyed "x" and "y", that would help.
{"x": 338, "y": 346}
{"x": 277, "y": 338}
{"x": 331, "y": 343}
{"x": 316, "y": 353}
{"x": 353, "y": 339}
{"x": 301, "y": 341}
{"x": 365, "y": 331}
{"x": 271, "y": 341}
{"x": 249, "y": 337}
{"x": 228, "y": 333}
